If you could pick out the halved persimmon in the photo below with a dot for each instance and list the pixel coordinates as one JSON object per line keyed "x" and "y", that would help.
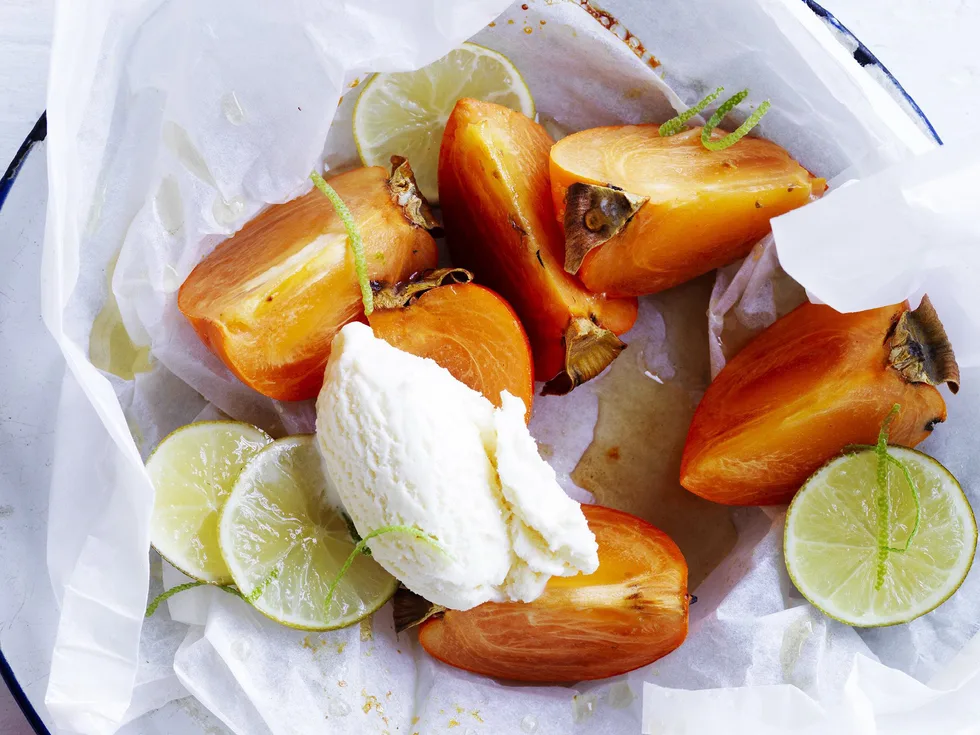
{"x": 629, "y": 613}
{"x": 496, "y": 202}
{"x": 464, "y": 327}
{"x": 269, "y": 300}
{"x": 643, "y": 213}
{"x": 811, "y": 384}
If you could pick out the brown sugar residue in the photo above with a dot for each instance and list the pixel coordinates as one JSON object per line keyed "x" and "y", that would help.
{"x": 524, "y": 6}
{"x": 633, "y": 42}
{"x": 493, "y": 24}
{"x": 355, "y": 83}
{"x": 371, "y": 702}
{"x": 510, "y": 22}
{"x": 452, "y": 723}
{"x": 527, "y": 29}
{"x": 633, "y": 463}
{"x": 543, "y": 22}
{"x": 314, "y": 643}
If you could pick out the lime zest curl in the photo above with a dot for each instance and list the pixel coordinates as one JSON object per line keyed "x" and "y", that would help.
{"x": 740, "y": 132}
{"x": 361, "y": 548}
{"x": 882, "y": 499}
{"x": 676, "y": 124}
{"x": 353, "y": 236}
{"x": 352, "y": 530}
{"x": 259, "y": 589}
{"x": 894, "y": 461}
{"x": 167, "y": 594}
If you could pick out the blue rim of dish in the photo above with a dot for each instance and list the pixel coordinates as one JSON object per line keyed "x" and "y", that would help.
{"x": 862, "y": 55}
{"x": 20, "y": 697}
{"x": 38, "y": 133}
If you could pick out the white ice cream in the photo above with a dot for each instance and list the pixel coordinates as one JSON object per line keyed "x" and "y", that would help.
{"x": 407, "y": 443}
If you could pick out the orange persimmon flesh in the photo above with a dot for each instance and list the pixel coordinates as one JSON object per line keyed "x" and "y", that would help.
{"x": 269, "y": 300}
{"x": 632, "y": 611}
{"x": 705, "y": 208}
{"x": 470, "y": 331}
{"x": 496, "y": 202}
{"x": 811, "y": 384}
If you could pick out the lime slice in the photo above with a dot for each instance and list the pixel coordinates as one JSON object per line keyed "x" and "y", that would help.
{"x": 285, "y": 540}
{"x": 193, "y": 470}
{"x": 405, "y": 113}
{"x": 832, "y": 546}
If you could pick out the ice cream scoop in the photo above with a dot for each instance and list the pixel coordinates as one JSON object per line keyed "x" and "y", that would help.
{"x": 405, "y": 443}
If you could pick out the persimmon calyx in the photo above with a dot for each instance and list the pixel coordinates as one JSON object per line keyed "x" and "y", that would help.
{"x": 405, "y": 192}
{"x": 920, "y": 350}
{"x": 410, "y": 609}
{"x": 404, "y": 294}
{"x": 594, "y": 215}
{"x": 589, "y": 349}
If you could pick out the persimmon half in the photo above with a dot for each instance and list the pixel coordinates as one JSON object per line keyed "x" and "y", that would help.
{"x": 811, "y": 384}
{"x": 269, "y": 300}
{"x": 464, "y": 327}
{"x": 495, "y": 196}
{"x": 642, "y": 213}
{"x": 632, "y": 611}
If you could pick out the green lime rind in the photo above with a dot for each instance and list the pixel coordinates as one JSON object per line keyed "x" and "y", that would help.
{"x": 405, "y": 113}
{"x": 837, "y": 575}
{"x": 192, "y": 470}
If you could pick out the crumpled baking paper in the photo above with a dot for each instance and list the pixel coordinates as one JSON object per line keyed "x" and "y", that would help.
{"x": 747, "y": 297}
{"x": 906, "y": 231}
{"x": 171, "y": 122}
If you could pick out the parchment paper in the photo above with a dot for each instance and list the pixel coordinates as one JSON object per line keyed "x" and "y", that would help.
{"x": 908, "y": 230}
{"x": 173, "y": 122}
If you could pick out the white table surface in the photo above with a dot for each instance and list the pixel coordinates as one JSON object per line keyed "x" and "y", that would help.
{"x": 928, "y": 46}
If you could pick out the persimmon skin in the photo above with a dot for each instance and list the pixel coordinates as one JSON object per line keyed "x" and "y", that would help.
{"x": 495, "y": 195}
{"x": 269, "y": 300}
{"x": 706, "y": 208}
{"x": 469, "y": 330}
{"x": 629, "y": 613}
{"x": 811, "y": 384}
